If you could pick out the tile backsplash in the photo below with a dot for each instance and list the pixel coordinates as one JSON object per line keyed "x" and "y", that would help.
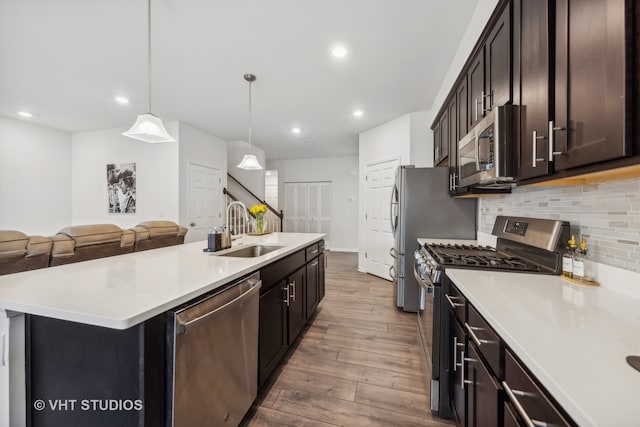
{"x": 607, "y": 215}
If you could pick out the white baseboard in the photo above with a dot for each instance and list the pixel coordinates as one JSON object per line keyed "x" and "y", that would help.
{"x": 342, "y": 250}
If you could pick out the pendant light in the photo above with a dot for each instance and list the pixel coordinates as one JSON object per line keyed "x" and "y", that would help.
{"x": 149, "y": 128}
{"x": 250, "y": 161}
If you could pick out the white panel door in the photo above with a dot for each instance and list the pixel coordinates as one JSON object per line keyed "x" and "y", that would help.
{"x": 307, "y": 207}
{"x": 378, "y": 236}
{"x": 319, "y": 209}
{"x": 295, "y": 207}
{"x": 205, "y": 201}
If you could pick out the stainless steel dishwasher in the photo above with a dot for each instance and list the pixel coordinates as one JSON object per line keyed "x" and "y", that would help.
{"x": 213, "y": 356}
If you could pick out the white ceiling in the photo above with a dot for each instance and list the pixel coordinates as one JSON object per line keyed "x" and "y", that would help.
{"x": 65, "y": 60}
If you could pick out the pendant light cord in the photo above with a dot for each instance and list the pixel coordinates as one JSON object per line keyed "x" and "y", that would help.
{"x": 149, "y": 56}
{"x": 250, "y": 116}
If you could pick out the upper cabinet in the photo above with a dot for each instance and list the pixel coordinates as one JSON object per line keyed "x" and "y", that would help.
{"x": 531, "y": 86}
{"x": 484, "y": 83}
{"x": 574, "y": 84}
{"x": 591, "y": 98}
{"x": 571, "y": 68}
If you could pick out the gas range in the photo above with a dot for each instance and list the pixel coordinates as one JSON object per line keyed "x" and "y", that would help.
{"x": 527, "y": 245}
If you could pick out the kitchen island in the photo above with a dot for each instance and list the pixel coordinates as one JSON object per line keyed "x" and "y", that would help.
{"x": 127, "y": 293}
{"x": 574, "y": 339}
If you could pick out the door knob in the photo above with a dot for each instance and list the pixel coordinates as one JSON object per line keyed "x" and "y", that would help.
{"x": 193, "y": 224}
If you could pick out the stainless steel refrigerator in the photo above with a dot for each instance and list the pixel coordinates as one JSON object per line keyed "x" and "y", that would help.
{"x": 421, "y": 207}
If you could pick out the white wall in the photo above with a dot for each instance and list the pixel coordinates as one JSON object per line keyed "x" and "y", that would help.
{"x": 407, "y": 138}
{"x": 35, "y": 178}
{"x": 196, "y": 146}
{"x": 156, "y": 177}
{"x": 343, "y": 174}
{"x": 252, "y": 179}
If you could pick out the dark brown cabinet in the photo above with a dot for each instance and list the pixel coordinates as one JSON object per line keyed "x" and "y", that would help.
{"x": 522, "y": 391}
{"x": 591, "y": 98}
{"x": 584, "y": 117}
{"x": 531, "y": 86}
{"x": 297, "y": 309}
{"x": 273, "y": 341}
{"x": 475, "y": 81}
{"x": 441, "y": 140}
{"x": 458, "y": 391}
{"x": 483, "y": 394}
{"x": 312, "y": 294}
{"x": 497, "y": 50}
{"x": 291, "y": 290}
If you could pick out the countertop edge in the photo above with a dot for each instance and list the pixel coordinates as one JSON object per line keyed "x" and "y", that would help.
{"x": 145, "y": 314}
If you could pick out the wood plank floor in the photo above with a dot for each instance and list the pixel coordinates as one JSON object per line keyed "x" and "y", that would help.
{"x": 356, "y": 364}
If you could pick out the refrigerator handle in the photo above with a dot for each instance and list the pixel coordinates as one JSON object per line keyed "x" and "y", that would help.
{"x": 393, "y": 217}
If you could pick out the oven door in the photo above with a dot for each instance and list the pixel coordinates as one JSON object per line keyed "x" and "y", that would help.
{"x": 427, "y": 336}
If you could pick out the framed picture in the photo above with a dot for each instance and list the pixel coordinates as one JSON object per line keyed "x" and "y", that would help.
{"x": 121, "y": 187}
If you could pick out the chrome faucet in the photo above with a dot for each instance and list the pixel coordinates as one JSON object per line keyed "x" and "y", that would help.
{"x": 227, "y": 228}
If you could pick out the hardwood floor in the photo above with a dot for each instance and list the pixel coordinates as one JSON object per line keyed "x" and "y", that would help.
{"x": 356, "y": 364}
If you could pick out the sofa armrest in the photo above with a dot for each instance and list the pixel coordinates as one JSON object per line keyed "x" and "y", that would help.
{"x": 39, "y": 246}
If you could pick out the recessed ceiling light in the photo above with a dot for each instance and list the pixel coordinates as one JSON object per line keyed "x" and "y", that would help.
{"x": 122, "y": 100}
{"x": 339, "y": 51}
{"x": 25, "y": 114}
{"x": 358, "y": 113}
{"x": 295, "y": 130}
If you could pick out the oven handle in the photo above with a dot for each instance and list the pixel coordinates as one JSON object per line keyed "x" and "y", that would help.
{"x": 426, "y": 286}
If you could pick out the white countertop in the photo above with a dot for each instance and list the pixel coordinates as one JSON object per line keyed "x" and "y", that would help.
{"x": 573, "y": 338}
{"x": 121, "y": 291}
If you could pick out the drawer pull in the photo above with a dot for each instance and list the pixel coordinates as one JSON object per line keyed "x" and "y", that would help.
{"x": 525, "y": 417}
{"x": 451, "y": 303}
{"x": 462, "y": 367}
{"x": 473, "y": 336}
{"x": 455, "y": 353}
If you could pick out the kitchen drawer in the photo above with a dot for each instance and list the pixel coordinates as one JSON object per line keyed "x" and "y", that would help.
{"x": 274, "y": 273}
{"x": 485, "y": 338}
{"x": 522, "y": 390}
{"x": 312, "y": 251}
{"x": 456, "y": 301}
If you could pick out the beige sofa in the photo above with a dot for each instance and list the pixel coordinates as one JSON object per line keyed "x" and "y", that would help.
{"x": 157, "y": 234}
{"x": 19, "y": 252}
{"x": 85, "y": 242}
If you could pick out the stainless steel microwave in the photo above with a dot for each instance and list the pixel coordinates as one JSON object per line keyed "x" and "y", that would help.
{"x": 486, "y": 154}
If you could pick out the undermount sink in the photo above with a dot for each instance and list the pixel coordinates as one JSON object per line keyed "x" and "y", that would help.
{"x": 249, "y": 251}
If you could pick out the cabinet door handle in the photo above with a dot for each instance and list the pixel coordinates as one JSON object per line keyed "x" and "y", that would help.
{"x": 455, "y": 353}
{"x": 286, "y": 300}
{"x": 451, "y": 303}
{"x": 535, "y": 149}
{"x": 293, "y": 290}
{"x": 473, "y": 336}
{"x": 552, "y": 129}
{"x": 487, "y": 103}
{"x": 313, "y": 264}
{"x": 476, "y": 117}
{"x": 516, "y": 403}
{"x": 450, "y": 182}
{"x": 462, "y": 370}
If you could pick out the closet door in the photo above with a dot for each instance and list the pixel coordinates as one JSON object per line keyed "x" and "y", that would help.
{"x": 295, "y": 207}
{"x": 319, "y": 207}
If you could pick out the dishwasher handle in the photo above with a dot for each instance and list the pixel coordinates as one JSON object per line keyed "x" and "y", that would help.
{"x": 183, "y": 327}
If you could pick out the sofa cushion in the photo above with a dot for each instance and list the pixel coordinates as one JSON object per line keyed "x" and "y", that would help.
{"x": 63, "y": 246}
{"x": 128, "y": 238}
{"x": 13, "y": 243}
{"x": 38, "y": 246}
{"x": 160, "y": 228}
{"x": 94, "y": 234}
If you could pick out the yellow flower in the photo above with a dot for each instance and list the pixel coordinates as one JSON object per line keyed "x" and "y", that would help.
{"x": 258, "y": 209}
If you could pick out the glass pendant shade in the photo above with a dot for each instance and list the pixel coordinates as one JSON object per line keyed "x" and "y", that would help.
{"x": 149, "y": 128}
{"x": 249, "y": 162}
